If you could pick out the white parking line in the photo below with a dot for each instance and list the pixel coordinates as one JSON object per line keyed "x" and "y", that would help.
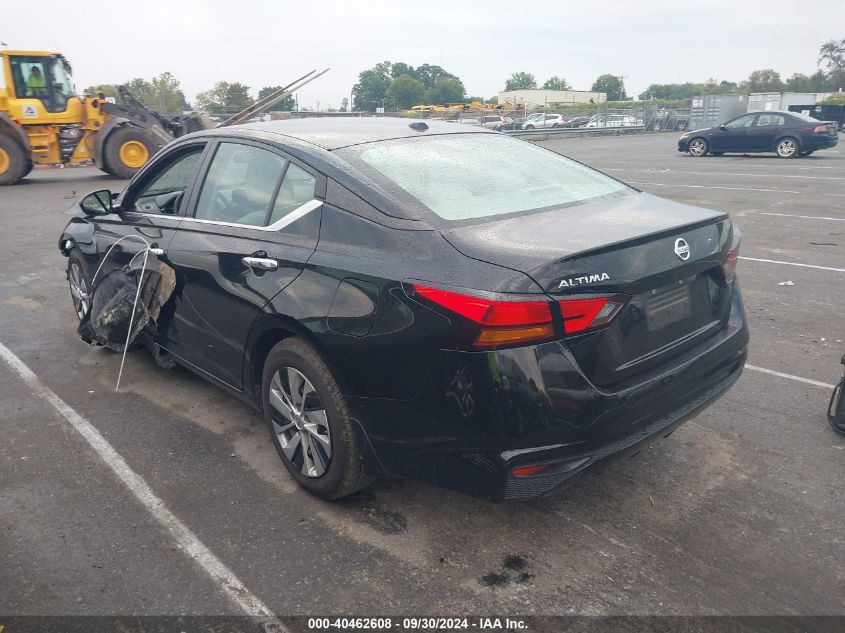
{"x": 806, "y": 217}
{"x": 775, "y": 261}
{"x": 728, "y": 173}
{"x": 815, "y": 383}
{"x": 184, "y": 537}
{"x": 662, "y": 184}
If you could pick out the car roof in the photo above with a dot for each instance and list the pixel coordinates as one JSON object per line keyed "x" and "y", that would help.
{"x": 335, "y": 132}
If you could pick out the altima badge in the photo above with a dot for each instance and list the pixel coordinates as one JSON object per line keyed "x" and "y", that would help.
{"x": 585, "y": 279}
{"x": 682, "y": 249}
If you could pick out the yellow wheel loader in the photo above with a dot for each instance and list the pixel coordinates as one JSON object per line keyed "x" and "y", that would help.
{"x": 44, "y": 122}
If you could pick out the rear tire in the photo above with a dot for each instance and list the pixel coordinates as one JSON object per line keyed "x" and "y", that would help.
{"x": 698, "y": 147}
{"x": 127, "y": 149}
{"x": 14, "y": 162}
{"x": 787, "y": 147}
{"x": 310, "y": 423}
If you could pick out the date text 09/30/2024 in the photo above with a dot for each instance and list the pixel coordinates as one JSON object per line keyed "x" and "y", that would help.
{"x": 418, "y": 624}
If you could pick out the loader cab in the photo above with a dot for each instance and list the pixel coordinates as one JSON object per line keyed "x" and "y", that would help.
{"x": 46, "y": 77}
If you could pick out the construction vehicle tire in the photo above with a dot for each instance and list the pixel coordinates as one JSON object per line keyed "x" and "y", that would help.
{"x": 13, "y": 160}
{"x": 127, "y": 149}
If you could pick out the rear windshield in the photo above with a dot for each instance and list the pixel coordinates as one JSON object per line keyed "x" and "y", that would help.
{"x": 465, "y": 176}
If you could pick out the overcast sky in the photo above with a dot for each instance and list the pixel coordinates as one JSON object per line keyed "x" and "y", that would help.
{"x": 264, "y": 42}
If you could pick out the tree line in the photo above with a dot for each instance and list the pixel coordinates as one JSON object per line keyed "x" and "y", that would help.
{"x": 163, "y": 94}
{"x": 398, "y": 85}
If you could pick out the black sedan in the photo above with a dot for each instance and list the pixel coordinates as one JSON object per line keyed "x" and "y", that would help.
{"x": 787, "y": 134}
{"x": 397, "y": 308}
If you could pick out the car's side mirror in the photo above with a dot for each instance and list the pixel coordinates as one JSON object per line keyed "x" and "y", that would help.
{"x": 723, "y": 128}
{"x": 97, "y": 203}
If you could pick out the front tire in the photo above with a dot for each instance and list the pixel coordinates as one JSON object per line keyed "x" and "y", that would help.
{"x": 127, "y": 149}
{"x": 79, "y": 283}
{"x": 787, "y": 147}
{"x": 310, "y": 423}
{"x": 698, "y": 147}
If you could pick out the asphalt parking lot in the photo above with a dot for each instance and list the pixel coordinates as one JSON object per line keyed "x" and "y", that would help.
{"x": 738, "y": 512}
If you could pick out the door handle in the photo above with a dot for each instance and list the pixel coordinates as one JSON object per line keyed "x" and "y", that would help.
{"x": 260, "y": 263}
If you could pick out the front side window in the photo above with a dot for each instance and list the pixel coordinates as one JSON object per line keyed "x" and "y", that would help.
{"x": 741, "y": 122}
{"x": 164, "y": 193}
{"x": 443, "y": 173}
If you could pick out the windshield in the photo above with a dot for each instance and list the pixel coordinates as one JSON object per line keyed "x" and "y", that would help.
{"x": 464, "y": 176}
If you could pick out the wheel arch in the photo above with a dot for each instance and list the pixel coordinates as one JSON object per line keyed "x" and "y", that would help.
{"x": 14, "y": 131}
{"x": 267, "y": 331}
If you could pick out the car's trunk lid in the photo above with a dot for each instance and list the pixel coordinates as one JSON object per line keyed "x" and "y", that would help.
{"x": 626, "y": 245}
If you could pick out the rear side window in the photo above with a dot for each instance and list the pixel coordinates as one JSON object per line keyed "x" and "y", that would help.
{"x": 297, "y": 189}
{"x": 770, "y": 119}
{"x": 240, "y": 185}
{"x": 465, "y": 176}
{"x": 252, "y": 186}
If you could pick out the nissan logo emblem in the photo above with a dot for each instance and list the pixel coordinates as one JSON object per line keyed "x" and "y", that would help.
{"x": 682, "y": 249}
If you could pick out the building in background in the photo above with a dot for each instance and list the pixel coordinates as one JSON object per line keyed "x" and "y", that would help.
{"x": 540, "y": 98}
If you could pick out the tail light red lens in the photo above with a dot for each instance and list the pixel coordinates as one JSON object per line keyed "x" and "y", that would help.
{"x": 580, "y": 315}
{"x": 820, "y": 129}
{"x": 729, "y": 264}
{"x": 527, "y": 471}
{"x": 500, "y": 322}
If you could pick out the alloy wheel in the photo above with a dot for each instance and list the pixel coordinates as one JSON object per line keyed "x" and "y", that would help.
{"x": 78, "y": 289}
{"x": 698, "y": 147}
{"x": 787, "y": 148}
{"x": 300, "y": 422}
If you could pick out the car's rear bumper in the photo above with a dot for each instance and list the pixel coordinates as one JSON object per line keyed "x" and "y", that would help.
{"x": 482, "y": 415}
{"x": 821, "y": 142}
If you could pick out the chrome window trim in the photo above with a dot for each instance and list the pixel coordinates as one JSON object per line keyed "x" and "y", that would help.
{"x": 301, "y": 211}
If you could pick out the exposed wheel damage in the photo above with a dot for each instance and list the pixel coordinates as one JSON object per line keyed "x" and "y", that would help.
{"x": 126, "y": 300}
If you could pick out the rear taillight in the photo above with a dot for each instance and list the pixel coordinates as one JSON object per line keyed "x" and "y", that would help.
{"x": 491, "y": 324}
{"x": 729, "y": 263}
{"x": 497, "y": 323}
{"x": 580, "y": 315}
{"x": 820, "y": 129}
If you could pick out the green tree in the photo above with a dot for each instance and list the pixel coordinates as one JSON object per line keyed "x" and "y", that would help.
{"x": 832, "y": 59}
{"x": 405, "y": 92}
{"x": 401, "y": 68}
{"x": 612, "y": 86}
{"x": 285, "y": 105}
{"x": 428, "y": 75}
{"x": 371, "y": 90}
{"x": 162, "y": 94}
{"x": 446, "y": 90}
{"x": 109, "y": 90}
{"x": 225, "y": 98}
{"x": 521, "y": 81}
{"x": 765, "y": 80}
{"x": 556, "y": 83}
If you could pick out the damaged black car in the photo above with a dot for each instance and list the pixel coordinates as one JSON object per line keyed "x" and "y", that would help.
{"x": 397, "y": 307}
